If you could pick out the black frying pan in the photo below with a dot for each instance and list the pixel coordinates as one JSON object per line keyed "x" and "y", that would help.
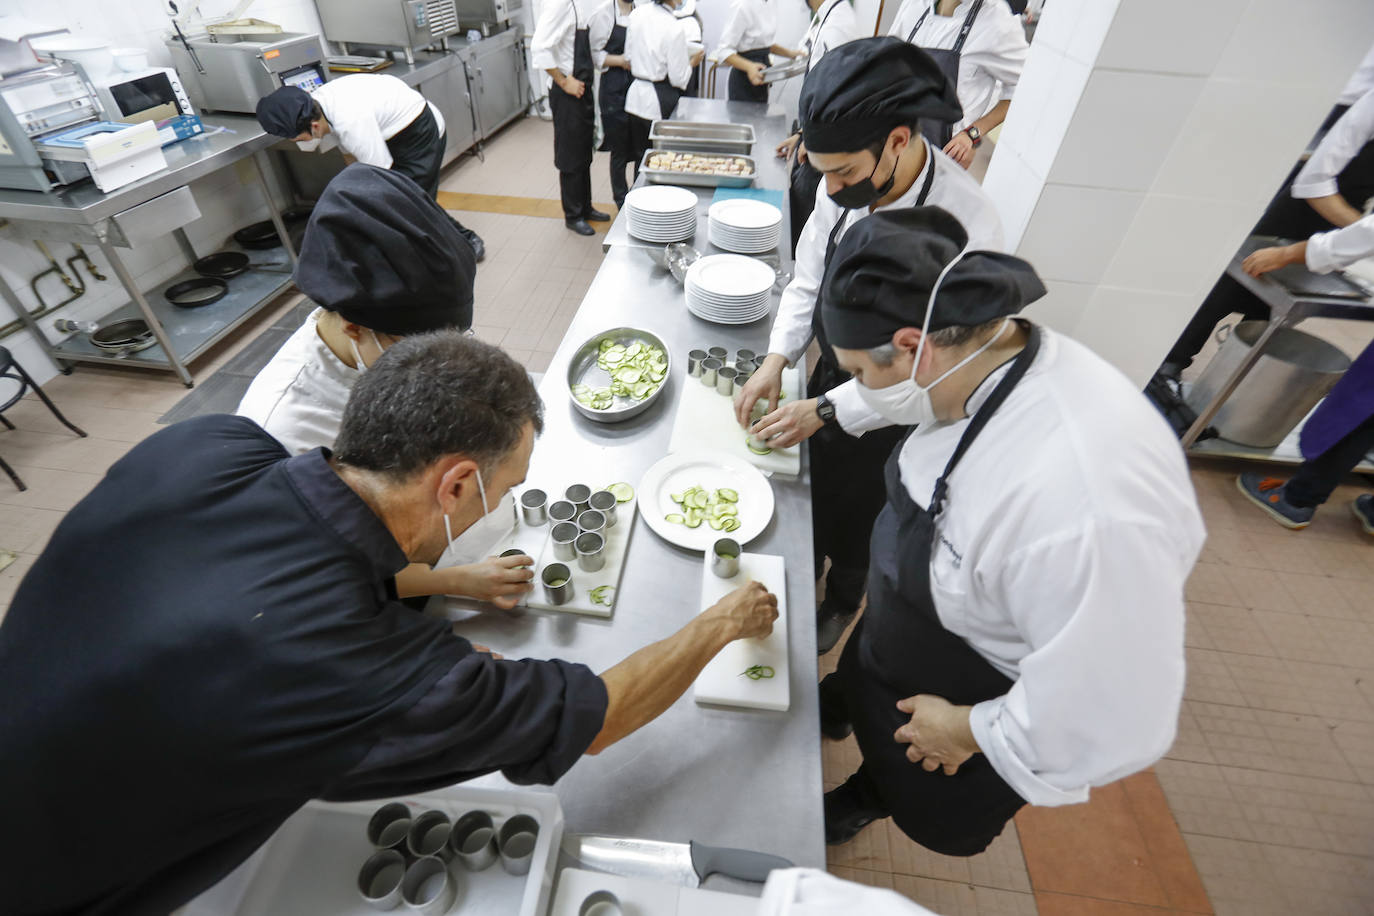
{"x": 201, "y": 291}
{"x": 223, "y": 264}
{"x": 121, "y": 333}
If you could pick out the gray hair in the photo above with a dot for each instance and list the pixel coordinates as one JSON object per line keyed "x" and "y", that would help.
{"x": 946, "y": 338}
{"x": 434, "y": 395}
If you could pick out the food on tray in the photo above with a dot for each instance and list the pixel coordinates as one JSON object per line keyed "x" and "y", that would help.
{"x": 603, "y": 595}
{"x": 623, "y": 492}
{"x": 699, "y": 164}
{"x": 718, "y": 508}
{"x": 636, "y": 372}
{"x": 758, "y": 672}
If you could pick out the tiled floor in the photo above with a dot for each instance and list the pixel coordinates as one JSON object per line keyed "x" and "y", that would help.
{"x": 1268, "y": 793}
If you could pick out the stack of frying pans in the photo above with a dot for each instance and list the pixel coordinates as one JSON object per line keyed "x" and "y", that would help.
{"x": 127, "y": 336}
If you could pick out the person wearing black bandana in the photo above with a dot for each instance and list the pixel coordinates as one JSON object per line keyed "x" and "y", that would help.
{"x": 860, "y": 111}
{"x": 1023, "y": 636}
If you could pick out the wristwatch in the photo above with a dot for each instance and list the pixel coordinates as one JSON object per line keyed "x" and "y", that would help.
{"x": 974, "y": 134}
{"x": 825, "y": 410}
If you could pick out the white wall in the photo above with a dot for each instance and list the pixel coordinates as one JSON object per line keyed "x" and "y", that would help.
{"x": 1145, "y": 139}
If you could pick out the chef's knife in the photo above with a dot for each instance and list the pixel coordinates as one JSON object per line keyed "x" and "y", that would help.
{"x": 687, "y": 864}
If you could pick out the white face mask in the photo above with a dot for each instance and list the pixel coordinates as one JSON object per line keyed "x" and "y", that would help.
{"x": 358, "y": 356}
{"x": 481, "y": 538}
{"x": 308, "y": 146}
{"x": 906, "y": 403}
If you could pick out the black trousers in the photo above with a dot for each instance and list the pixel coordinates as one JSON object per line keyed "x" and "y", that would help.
{"x": 576, "y": 190}
{"x": 1317, "y": 477}
{"x": 639, "y": 140}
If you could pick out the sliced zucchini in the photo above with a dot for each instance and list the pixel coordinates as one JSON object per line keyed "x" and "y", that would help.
{"x": 675, "y": 518}
{"x": 623, "y": 492}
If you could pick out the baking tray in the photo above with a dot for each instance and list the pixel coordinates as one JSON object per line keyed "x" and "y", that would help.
{"x": 785, "y": 71}
{"x": 702, "y": 137}
{"x": 665, "y": 176}
{"x": 310, "y": 866}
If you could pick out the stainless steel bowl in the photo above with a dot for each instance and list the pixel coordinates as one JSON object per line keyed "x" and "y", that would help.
{"x": 583, "y": 370}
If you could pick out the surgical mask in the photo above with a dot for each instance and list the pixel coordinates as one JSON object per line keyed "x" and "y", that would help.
{"x": 906, "y": 403}
{"x": 308, "y": 146}
{"x": 865, "y": 193}
{"x": 358, "y": 356}
{"x": 481, "y": 538}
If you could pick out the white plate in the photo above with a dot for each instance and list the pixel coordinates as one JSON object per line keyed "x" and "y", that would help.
{"x": 661, "y": 198}
{"x": 731, "y": 276}
{"x": 746, "y": 214}
{"x": 711, "y": 470}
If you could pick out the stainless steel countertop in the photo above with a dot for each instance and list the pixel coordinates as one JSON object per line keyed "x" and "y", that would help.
{"x": 85, "y": 204}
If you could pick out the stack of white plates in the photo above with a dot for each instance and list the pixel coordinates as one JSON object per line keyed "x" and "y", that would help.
{"x": 662, "y": 213}
{"x": 748, "y": 226}
{"x": 729, "y": 288}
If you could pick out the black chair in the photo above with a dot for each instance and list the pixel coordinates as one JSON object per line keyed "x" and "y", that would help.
{"x": 9, "y": 368}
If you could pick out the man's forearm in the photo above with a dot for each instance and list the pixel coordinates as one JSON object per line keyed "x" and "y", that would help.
{"x": 420, "y": 580}
{"x": 557, "y": 75}
{"x": 643, "y": 686}
{"x": 993, "y": 118}
{"x": 1335, "y": 209}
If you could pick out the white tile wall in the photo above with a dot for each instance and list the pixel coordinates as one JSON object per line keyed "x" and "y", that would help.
{"x": 1131, "y": 328}
{"x": 1170, "y": 36}
{"x": 1015, "y": 189}
{"x": 1317, "y": 42}
{"x": 1124, "y": 124}
{"x": 1182, "y": 244}
{"x": 1055, "y": 87}
{"x": 1063, "y": 306}
{"x": 1075, "y": 232}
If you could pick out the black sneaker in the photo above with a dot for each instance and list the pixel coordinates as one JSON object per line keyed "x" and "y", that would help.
{"x": 579, "y": 226}
{"x": 835, "y": 723}
{"x": 479, "y": 247}
{"x": 1363, "y": 509}
{"x": 830, "y": 626}
{"x": 846, "y": 814}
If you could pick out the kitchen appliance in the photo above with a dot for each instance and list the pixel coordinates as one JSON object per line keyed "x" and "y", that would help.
{"x": 410, "y": 25}
{"x": 489, "y": 13}
{"x": 151, "y": 94}
{"x": 35, "y": 105}
{"x": 229, "y": 71}
{"x": 112, "y": 153}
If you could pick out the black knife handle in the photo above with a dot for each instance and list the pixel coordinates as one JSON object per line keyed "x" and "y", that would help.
{"x": 743, "y": 864}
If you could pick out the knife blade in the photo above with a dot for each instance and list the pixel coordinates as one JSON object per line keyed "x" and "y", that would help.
{"x": 687, "y": 864}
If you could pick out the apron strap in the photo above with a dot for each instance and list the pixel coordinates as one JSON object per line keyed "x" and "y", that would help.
{"x": 811, "y": 46}
{"x": 984, "y": 414}
{"x": 963, "y": 32}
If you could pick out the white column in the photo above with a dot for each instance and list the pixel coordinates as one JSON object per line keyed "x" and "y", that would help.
{"x": 1145, "y": 140}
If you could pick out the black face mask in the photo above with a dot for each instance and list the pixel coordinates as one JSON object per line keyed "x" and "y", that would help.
{"x": 865, "y": 193}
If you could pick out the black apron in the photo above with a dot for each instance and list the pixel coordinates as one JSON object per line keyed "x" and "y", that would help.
{"x": 941, "y": 132}
{"x": 846, "y": 471}
{"x": 417, "y": 151}
{"x": 740, "y": 89}
{"x": 574, "y": 120}
{"x": 900, "y": 649}
{"x": 615, "y": 86}
{"x": 668, "y": 97}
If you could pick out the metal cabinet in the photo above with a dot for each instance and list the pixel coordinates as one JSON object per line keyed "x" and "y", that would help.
{"x": 496, "y": 69}
{"x": 448, "y": 91}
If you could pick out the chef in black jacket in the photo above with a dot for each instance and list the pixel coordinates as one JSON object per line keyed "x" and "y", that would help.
{"x": 212, "y": 638}
{"x": 562, "y": 48}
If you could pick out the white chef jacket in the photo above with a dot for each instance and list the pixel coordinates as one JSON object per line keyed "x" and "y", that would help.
{"x": 657, "y": 48}
{"x": 752, "y": 24}
{"x": 1361, "y": 81}
{"x": 605, "y": 16}
{"x": 367, "y": 109}
{"x": 831, "y": 26}
{"x": 812, "y": 892}
{"x": 1061, "y": 555}
{"x": 952, "y": 190}
{"x": 1345, "y": 138}
{"x": 299, "y": 396}
{"x": 552, "y": 45}
{"x": 1328, "y": 251}
{"x": 993, "y": 55}
{"x": 691, "y": 27}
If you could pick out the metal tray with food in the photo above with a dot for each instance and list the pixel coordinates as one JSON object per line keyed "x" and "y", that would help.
{"x": 702, "y": 136}
{"x": 618, "y": 374}
{"x": 713, "y": 178}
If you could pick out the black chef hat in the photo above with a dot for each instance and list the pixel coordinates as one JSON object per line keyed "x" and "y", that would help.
{"x": 863, "y": 89}
{"x": 286, "y": 112}
{"x": 886, "y": 265}
{"x": 383, "y": 254}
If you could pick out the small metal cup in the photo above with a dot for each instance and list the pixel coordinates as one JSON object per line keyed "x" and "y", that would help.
{"x": 744, "y": 356}
{"x": 718, "y": 353}
{"x": 725, "y": 380}
{"x": 725, "y": 558}
{"x": 387, "y": 828}
{"x": 473, "y": 840}
{"x": 534, "y": 507}
{"x": 591, "y": 551}
{"x": 557, "y": 572}
{"x": 604, "y": 501}
{"x": 577, "y": 494}
{"x": 564, "y": 533}
{"x": 428, "y": 835}
{"x": 743, "y": 369}
{"x": 592, "y": 520}
{"x": 601, "y": 903}
{"x": 694, "y": 358}
{"x": 757, "y": 443}
{"x": 758, "y": 362}
{"x": 562, "y": 511}
{"x": 379, "y": 880}
{"x": 516, "y": 842}
{"x": 709, "y": 367}
{"x": 428, "y": 888}
{"x": 514, "y": 552}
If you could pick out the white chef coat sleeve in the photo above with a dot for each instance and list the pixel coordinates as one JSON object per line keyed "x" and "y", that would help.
{"x": 792, "y": 327}
{"x": 1328, "y": 251}
{"x": 854, "y": 416}
{"x": 361, "y": 137}
{"x": 555, "y": 18}
{"x": 1002, "y": 51}
{"x": 599, "y": 26}
{"x": 676, "y": 53}
{"x": 1098, "y": 696}
{"x": 733, "y": 33}
{"x": 1354, "y": 129}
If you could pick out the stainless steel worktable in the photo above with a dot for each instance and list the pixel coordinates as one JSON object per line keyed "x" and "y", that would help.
{"x": 83, "y": 214}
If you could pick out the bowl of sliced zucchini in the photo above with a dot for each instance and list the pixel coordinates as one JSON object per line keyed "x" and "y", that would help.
{"x": 618, "y": 374}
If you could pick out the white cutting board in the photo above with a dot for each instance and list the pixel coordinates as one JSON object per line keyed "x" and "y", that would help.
{"x": 642, "y": 897}
{"x": 706, "y": 420}
{"x": 720, "y": 682}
